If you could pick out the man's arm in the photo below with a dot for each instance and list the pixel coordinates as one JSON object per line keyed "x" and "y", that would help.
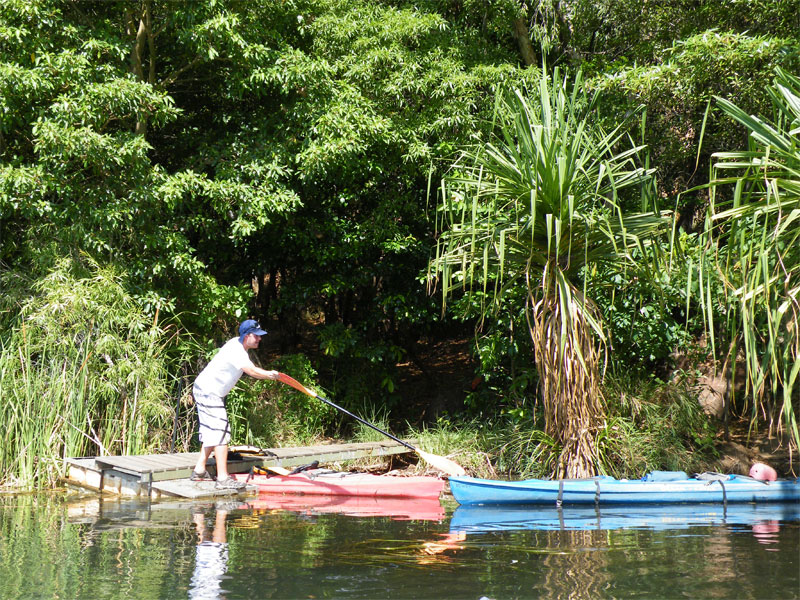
{"x": 259, "y": 373}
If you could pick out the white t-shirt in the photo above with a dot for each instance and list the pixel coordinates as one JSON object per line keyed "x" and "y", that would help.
{"x": 224, "y": 370}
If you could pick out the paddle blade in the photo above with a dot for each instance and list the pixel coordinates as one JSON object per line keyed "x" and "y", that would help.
{"x": 445, "y": 465}
{"x": 278, "y": 470}
{"x": 284, "y": 378}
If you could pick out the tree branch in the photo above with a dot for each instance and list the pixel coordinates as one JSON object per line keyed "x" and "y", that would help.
{"x": 173, "y": 77}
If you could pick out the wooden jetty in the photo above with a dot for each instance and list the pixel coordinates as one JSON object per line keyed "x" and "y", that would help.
{"x": 156, "y": 475}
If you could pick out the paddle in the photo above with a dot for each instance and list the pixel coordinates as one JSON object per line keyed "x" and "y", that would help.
{"x": 256, "y": 470}
{"x": 439, "y": 462}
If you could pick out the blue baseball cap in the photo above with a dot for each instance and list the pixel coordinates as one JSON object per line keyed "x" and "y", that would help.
{"x": 250, "y": 326}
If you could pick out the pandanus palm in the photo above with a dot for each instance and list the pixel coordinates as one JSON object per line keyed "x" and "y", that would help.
{"x": 534, "y": 207}
{"x": 753, "y": 234}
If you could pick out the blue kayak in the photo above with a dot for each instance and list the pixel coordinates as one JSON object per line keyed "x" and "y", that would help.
{"x": 607, "y": 490}
{"x": 473, "y": 518}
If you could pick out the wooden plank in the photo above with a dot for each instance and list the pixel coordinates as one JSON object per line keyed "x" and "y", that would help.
{"x": 281, "y": 457}
{"x": 168, "y": 461}
{"x": 148, "y": 462}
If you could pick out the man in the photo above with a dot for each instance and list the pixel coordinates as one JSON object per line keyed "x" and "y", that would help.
{"x": 210, "y": 389}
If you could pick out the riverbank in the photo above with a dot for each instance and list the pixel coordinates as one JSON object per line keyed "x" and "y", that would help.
{"x": 743, "y": 448}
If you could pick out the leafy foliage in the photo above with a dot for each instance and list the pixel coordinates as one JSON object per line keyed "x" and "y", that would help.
{"x": 76, "y": 169}
{"x": 676, "y": 90}
{"x": 648, "y": 318}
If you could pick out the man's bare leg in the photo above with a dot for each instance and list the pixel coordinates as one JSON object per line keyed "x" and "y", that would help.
{"x": 221, "y": 456}
{"x": 200, "y": 467}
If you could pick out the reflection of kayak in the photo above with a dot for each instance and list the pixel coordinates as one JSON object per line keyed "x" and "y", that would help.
{"x": 399, "y": 509}
{"x": 484, "y": 519}
{"x": 347, "y": 484}
{"x": 607, "y": 490}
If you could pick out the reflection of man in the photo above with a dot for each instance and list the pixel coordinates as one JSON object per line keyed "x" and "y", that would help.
{"x": 211, "y": 558}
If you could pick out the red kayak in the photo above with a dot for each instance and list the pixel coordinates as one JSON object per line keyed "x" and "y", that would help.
{"x": 328, "y": 483}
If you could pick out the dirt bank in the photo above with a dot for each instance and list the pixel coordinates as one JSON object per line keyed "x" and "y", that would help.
{"x": 737, "y": 454}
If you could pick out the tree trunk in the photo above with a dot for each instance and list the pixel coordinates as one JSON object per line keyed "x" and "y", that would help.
{"x": 143, "y": 37}
{"x": 151, "y": 45}
{"x": 564, "y": 33}
{"x": 568, "y": 366}
{"x": 524, "y": 42}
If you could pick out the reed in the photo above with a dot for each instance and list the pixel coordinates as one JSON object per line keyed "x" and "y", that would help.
{"x": 82, "y": 373}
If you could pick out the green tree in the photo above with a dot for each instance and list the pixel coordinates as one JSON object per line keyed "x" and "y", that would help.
{"x": 81, "y": 90}
{"x": 353, "y": 102}
{"x": 606, "y": 35}
{"x": 677, "y": 89}
{"x": 533, "y": 207}
{"x": 216, "y": 149}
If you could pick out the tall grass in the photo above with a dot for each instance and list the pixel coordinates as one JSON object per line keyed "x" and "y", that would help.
{"x": 462, "y": 442}
{"x": 83, "y": 372}
{"x": 655, "y": 425}
{"x": 378, "y": 416}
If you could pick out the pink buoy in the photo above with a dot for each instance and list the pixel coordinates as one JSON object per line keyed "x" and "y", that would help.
{"x": 763, "y": 472}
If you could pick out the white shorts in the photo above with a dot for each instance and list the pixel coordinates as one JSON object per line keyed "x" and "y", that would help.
{"x": 213, "y": 417}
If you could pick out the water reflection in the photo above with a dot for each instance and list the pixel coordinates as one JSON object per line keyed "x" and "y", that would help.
{"x": 766, "y": 532}
{"x": 211, "y": 556}
{"x": 583, "y": 548}
{"x": 442, "y": 548}
{"x": 103, "y": 548}
{"x": 482, "y": 519}
{"x": 400, "y": 509}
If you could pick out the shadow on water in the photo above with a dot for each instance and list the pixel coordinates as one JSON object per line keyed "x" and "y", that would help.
{"x": 54, "y": 546}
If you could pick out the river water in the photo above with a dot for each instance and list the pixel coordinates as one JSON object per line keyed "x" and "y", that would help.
{"x": 55, "y": 546}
